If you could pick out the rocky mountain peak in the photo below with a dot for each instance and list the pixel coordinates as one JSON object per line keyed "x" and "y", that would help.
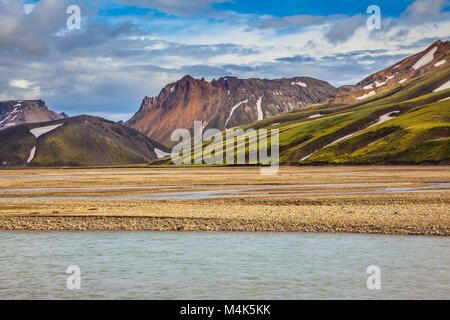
{"x": 15, "y": 112}
{"x": 223, "y": 103}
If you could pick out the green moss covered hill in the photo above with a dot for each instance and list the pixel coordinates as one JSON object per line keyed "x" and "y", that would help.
{"x": 77, "y": 141}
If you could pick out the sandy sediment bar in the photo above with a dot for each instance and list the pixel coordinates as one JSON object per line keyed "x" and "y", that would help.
{"x": 127, "y": 223}
{"x": 425, "y": 214}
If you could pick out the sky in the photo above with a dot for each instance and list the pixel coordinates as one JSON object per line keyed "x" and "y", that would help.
{"x": 127, "y": 49}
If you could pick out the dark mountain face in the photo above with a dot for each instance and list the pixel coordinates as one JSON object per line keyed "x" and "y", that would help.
{"x": 77, "y": 141}
{"x": 15, "y": 112}
{"x": 223, "y": 103}
{"x": 436, "y": 56}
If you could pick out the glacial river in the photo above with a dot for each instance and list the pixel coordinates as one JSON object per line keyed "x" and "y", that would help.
{"x": 169, "y": 265}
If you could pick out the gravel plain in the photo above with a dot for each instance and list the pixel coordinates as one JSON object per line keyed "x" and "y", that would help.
{"x": 322, "y": 208}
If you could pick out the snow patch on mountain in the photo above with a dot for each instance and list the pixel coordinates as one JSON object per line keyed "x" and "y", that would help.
{"x": 259, "y": 109}
{"x": 383, "y": 118}
{"x": 426, "y": 59}
{"x": 160, "y": 154}
{"x": 232, "y": 110}
{"x": 307, "y": 156}
{"x": 367, "y": 95}
{"x": 299, "y": 83}
{"x": 32, "y": 153}
{"x": 37, "y": 132}
{"x": 443, "y": 87}
{"x": 380, "y": 84}
{"x": 8, "y": 117}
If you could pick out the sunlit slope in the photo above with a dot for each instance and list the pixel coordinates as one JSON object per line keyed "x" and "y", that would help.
{"x": 416, "y": 127}
{"x": 418, "y": 133}
{"x": 416, "y": 136}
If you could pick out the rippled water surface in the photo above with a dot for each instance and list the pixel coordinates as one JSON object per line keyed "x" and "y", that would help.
{"x": 152, "y": 265}
{"x": 228, "y": 193}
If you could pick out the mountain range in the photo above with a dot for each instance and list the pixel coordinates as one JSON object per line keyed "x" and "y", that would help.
{"x": 398, "y": 115}
{"x": 229, "y": 101}
{"x": 223, "y": 103}
{"x": 408, "y": 124}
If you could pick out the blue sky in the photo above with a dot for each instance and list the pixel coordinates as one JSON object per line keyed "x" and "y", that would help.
{"x": 128, "y": 49}
{"x": 281, "y": 8}
{"x": 317, "y": 7}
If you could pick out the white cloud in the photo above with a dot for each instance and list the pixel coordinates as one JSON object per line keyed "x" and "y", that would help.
{"x": 24, "y": 89}
{"x": 20, "y": 83}
{"x": 109, "y": 66}
{"x": 28, "y": 8}
{"x": 426, "y": 11}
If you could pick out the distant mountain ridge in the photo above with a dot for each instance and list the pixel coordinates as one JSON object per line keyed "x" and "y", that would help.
{"x": 434, "y": 57}
{"x": 15, "y": 112}
{"x": 223, "y": 103}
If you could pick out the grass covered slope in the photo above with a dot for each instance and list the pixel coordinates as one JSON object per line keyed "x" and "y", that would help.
{"x": 416, "y": 136}
{"x": 15, "y": 145}
{"x": 78, "y": 141}
{"x": 419, "y": 131}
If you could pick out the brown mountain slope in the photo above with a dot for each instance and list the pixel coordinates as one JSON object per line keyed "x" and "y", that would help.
{"x": 16, "y": 112}
{"x": 223, "y": 103}
{"x": 436, "y": 56}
